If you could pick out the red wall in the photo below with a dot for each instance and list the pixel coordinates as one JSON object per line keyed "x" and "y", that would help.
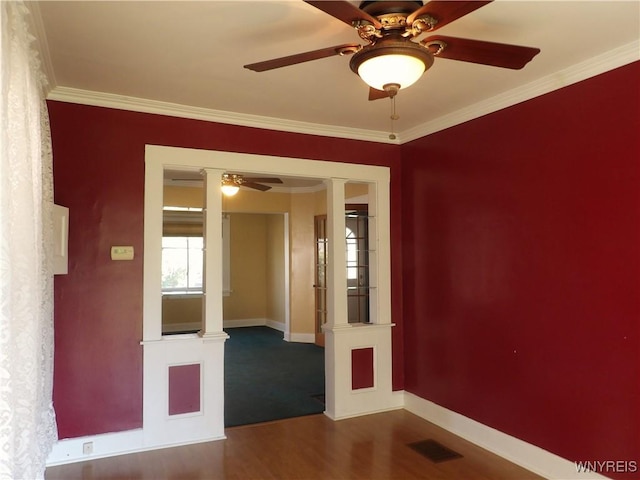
{"x": 521, "y": 247}
{"x": 99, "y": 175}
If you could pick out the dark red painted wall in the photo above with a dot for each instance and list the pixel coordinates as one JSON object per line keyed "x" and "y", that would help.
{"x": 99, "y": 175}
{"x": 521, "y": 247}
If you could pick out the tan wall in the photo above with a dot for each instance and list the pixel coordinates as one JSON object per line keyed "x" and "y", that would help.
{"x": 351, "y": 190}
{"x": 180, "y": 310}
{"x": 276, "y": 308}
{"x": 257, "y": 202}
{"x": 183, "y": 196}
{"x": 251, "y": 261}
{"x": 248, "y": 297}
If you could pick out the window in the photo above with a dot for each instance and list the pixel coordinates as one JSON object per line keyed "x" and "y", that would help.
{"x": 182, "y": 250}
{"x": 182, "y": 264}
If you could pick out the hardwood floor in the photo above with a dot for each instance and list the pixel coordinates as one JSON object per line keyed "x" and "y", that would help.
{"x": 311, "y": 447}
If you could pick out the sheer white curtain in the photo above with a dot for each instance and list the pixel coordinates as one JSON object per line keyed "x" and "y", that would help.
{"x": 27, "y": 422}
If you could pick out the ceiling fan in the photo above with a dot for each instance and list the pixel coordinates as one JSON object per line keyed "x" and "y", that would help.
{"x": 237, "y": 180}
{"x": 231, "y": 182}
{"x": 391, "y": 60}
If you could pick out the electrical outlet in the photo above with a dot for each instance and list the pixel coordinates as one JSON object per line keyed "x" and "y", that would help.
{"x": 87, "y": 448}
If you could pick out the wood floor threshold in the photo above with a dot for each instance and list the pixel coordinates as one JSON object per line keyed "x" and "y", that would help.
{"x": 312, "y": 447}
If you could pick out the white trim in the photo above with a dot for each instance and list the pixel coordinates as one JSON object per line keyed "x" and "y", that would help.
{"x": 301, "y": 337}
{"x": 524, "y": 454}
{"x": 134, "y": 104}
{"x": 605, "y": 62}
{"x": 589, "y": 68}
{"x": 340, "y": 402}
{"x": 280, "y": 326}
{"x": 245, "y": 322}
{"x": 287, "y": 278}
{"x": 105, "y": 445}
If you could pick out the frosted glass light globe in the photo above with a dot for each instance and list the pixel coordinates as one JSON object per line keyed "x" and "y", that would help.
{"x": 382, "y": 70}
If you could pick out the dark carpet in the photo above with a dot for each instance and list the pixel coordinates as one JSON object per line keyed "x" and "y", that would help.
{"x": 268, "y": 379}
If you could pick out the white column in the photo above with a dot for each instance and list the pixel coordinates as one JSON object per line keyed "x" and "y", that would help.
{"x": 337, "y": 309}
{"x": 152, "y": 280}
{"x": 213, "y": 263}
{"x": 161, "y": 353}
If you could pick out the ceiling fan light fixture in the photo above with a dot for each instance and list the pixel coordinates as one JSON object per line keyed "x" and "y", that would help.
{"x": 229, "y": 185}
{"x": 397, "y": 62}
{"x": 230, "y": 190}
{"x": 403, "y": 70}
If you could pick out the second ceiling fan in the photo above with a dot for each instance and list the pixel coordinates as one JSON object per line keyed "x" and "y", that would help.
{"x": 237, "y": 180}
{"x": 391, "y": 60}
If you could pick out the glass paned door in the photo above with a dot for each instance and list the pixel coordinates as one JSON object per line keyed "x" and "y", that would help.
{"x": 320, "y": 285}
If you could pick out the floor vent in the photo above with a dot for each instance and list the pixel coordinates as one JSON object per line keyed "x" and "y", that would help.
{"x": 434, "y": 451}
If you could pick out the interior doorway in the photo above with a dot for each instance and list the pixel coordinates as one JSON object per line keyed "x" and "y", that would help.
{"x": 171, "y": 360}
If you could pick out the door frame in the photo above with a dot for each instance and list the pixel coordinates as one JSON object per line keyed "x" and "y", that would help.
{"x": 319, "y": 334}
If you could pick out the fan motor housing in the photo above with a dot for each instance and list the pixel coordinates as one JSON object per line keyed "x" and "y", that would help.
{"x": 376, "y": 8}
{"x": 391, "y": 46}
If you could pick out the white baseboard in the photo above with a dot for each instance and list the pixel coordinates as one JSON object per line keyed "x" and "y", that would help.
{"x": 280, "y": 326}
{"x": 300, "y": 337}
{"x": 265, "y": 322}
{"x": 245, "y": 322}
{"x": 524, "y": 454}
{"x": 105, "y": 445}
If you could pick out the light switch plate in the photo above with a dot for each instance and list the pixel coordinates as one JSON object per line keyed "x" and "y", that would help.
{"x": 122, "y": 252}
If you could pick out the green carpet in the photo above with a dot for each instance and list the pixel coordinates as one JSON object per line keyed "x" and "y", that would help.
{"x": 267, "y": 378}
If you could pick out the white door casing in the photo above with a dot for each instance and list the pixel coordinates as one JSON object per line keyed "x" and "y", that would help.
{"x": 206, "y": 348}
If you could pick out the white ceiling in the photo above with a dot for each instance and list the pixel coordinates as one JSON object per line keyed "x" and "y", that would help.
{"x": 186, "y": 58}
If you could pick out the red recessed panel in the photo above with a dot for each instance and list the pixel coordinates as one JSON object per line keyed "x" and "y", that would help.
{"x": 184, "y": 389}
{"x": 362, "y": 368}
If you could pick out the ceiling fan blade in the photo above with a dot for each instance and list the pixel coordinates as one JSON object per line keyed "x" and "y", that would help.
{"x": 303, "y": 57}
{"x": 260, "y": 180}
{"x": 446, "y": 11}
{"x": 375, "y": 94}
{"x": 256, "y": 186}
{"x": 344, "y": 11}
{"x": 485, "y": 53}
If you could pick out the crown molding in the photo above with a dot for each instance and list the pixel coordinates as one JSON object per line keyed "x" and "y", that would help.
{"x": 594, "y": 66}
{"x": 618, "y": 57}
{"x": 121, "y": 102}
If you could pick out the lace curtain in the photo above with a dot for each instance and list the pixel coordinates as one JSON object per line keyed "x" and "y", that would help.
{"x": 27, "y": 422}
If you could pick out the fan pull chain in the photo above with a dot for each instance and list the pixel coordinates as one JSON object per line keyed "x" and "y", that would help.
{"x": 394, "y": 116}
